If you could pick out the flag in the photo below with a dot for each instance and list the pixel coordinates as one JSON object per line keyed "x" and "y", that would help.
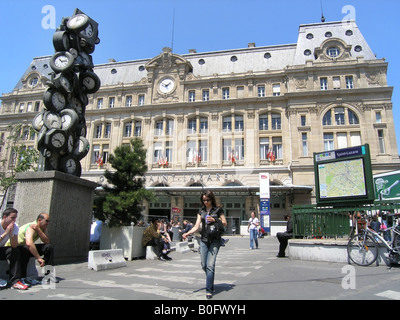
{"x": 99, "y": 161}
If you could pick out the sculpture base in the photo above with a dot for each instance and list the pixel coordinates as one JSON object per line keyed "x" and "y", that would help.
{"x": 69, "y": 202}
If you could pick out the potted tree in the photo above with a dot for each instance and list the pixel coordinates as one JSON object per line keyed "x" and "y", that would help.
{"x": 121, "y": 206}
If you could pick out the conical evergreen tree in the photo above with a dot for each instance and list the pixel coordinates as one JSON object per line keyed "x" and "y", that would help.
{"x": 124, "y": 197}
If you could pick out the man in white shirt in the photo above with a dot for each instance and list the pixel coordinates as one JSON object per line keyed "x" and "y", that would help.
{"x": 9, "y": 231}
{"x": 252, "y": 228}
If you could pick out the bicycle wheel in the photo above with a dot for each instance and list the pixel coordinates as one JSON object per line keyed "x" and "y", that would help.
{"x": 362, "y": 252}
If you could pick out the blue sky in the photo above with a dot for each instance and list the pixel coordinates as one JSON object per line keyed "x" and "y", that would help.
{"x": 139, "y": 29}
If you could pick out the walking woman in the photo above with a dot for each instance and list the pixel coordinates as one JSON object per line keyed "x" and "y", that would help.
{"x": 252, "y": 228}
{"x": 209, "y": 215}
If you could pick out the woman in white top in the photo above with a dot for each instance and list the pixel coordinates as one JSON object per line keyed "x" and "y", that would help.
{"x": 252, "y": 228}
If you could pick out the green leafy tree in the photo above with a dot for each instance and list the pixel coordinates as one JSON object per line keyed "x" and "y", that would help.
{"x": 122, "y": 204}
{"x": 21, "y": 158}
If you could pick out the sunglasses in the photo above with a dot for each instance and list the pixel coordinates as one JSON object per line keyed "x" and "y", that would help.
{"x": 206, "y": 200}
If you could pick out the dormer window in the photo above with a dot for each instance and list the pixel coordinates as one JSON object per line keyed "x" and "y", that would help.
{"x": 333, "y": 49}
{"x": 33, "y": 82}
{"x": 333, "y": 52}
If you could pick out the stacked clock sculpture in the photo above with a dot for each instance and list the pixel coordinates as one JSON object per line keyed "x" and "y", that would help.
{"x": 61, "y": 125}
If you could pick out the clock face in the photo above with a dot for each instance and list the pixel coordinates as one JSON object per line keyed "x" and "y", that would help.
{"x": 61, "y": 61}
{"x": 70, "y": 165}
{"x": 71, "y": 143}
{"x": 167, "y": 85}
{"x": 90, "y": 82}
{"x": 58, "y": 140}
{"x": 41, "y": 136}
{"x": 81, "y": 130}
{"x": 58, "y": 100}
{"x": 69, "y": 119}
{"x": 81, "y": 148}
{"x": 37, "y": 122}
{"x": 78, "y": 22}
{"x": 52, "y": 120}
{"x": 66, "y": 121}
{"x": 63, "y": 84}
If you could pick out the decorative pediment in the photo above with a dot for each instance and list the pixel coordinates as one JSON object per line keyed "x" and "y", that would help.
{"x": 333, "y": 49}
{"x": 34, "y": 80}
{"x": 168, "y": 63}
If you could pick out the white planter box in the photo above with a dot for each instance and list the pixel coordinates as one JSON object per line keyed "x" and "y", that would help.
{"x": 128, "y": 238}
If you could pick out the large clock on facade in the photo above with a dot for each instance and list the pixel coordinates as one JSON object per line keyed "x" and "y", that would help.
{"x": 166, "y": 85}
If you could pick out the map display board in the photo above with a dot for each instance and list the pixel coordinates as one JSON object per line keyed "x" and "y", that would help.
{"x": 343, "y": 176}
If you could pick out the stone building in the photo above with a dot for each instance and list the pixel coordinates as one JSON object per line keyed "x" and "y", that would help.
{"x": 218, "y": 119}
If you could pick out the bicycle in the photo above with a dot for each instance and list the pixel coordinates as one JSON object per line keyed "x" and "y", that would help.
{"x": 363, "y": 247}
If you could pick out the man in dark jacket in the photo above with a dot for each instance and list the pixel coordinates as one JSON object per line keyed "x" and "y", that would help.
{"x": 152, "y": 237}
{"x": 283, "y": 237}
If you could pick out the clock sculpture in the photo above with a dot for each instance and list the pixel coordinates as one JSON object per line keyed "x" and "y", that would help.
{"x": 61, "y": 125}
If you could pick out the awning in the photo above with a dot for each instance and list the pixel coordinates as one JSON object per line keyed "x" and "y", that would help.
{"x": 230, "y": 190}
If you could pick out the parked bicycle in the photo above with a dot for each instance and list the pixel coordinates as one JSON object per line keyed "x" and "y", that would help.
{"x": 363, "y": 247}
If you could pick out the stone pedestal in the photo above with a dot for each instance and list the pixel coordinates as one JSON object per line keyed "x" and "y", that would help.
{"x": 69, "y": 202}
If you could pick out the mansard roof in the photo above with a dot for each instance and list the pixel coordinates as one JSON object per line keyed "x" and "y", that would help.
{"x": 310, "y": 42}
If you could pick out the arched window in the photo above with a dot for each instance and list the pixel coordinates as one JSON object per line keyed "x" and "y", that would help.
{"x": 353, "y": 119}
{"x": 338, "y": 114}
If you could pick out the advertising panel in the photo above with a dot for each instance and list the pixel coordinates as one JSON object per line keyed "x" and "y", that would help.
{"x": 387, "y": 186}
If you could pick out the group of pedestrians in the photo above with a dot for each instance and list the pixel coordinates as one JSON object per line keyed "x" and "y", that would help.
{"x": 210, "y": 217}
{"x": 17, "y": 245}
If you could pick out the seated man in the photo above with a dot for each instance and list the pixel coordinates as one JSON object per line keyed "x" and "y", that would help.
{"x": 9, "y": 235}
{"x": 28, "y": 234}
{"x": 284, "y": 237}
{"x": 152, "y": 237}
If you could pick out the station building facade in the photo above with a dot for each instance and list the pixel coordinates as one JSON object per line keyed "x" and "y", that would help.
{"x": 216, "y": 120}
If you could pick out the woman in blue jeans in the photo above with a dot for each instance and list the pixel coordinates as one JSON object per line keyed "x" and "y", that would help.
{"x": 252, "y": 228}
{"x": 209, "y": 247}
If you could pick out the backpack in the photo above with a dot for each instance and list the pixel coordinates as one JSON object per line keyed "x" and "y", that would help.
{"x": 214, "y": 230}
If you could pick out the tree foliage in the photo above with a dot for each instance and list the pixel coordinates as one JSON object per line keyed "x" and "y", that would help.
{"x": 122, "y": 204}
{"x": 21, "y": 158}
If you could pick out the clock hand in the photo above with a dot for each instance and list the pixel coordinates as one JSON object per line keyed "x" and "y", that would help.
{"x": 59, "y": 99}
